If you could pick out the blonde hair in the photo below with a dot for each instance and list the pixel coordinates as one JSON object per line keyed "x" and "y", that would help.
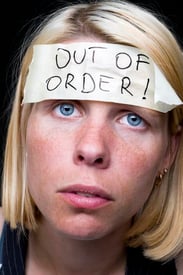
{"x": 159, "y": 225}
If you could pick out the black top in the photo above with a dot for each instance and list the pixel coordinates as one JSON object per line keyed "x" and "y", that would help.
{"x": 13, "y": 248}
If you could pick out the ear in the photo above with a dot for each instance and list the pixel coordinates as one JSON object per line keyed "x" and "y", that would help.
{"x": 174, "y": 142}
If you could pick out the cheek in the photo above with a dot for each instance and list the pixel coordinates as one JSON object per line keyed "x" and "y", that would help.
{"x": 138, "y": 160}
{"x": 137, "y": 168}
{"x": 45, "y": 153}
{"x": 46, "y": 166}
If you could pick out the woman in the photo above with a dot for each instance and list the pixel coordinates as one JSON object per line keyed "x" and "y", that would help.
{"x": 92, "y": 179}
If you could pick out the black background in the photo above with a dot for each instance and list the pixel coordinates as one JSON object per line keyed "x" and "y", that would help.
{"x": 15, "y": 20}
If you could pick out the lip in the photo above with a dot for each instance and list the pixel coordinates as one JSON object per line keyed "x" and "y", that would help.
{"x": 85, "y": 196}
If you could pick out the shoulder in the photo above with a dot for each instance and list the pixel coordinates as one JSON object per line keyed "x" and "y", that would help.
{"x": 179, "y": 264}
{"x": 137, "y": 262}
{"x": 1, "y": 220}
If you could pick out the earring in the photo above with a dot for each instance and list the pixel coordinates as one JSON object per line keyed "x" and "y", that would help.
{"x": 160, "y": 177}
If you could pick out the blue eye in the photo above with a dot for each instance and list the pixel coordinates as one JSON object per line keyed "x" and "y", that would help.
{"x": 134, "y": 120}
{"x": 66, "y": 109}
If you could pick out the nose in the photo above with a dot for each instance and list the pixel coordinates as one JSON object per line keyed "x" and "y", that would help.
{"x": 92, "y": 148}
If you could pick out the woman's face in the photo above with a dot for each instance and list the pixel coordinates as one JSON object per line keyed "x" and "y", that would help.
{"x": 92, "y": 165}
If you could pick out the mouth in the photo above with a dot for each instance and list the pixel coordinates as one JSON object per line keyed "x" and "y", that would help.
{"x": 84, "y": 196}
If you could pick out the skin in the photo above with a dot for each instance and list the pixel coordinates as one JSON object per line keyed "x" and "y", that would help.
{"x": 179, "y": 264}
{"x": 84, "y": 146}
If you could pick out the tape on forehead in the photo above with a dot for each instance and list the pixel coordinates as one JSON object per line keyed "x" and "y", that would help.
{"x": 98, "y": 71}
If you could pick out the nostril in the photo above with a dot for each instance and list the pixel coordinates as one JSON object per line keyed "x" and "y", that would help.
{"x": 99, "y": 160}
{"x": 81, "y": 158}
{"x": 88, "y": 160}
{"x": 92, "y": 158}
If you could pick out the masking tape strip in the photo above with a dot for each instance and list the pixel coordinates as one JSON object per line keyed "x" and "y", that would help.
{"x": 98, "y": 71}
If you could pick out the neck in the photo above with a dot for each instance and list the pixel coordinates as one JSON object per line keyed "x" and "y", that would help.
{"x": 58, "y": 254}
